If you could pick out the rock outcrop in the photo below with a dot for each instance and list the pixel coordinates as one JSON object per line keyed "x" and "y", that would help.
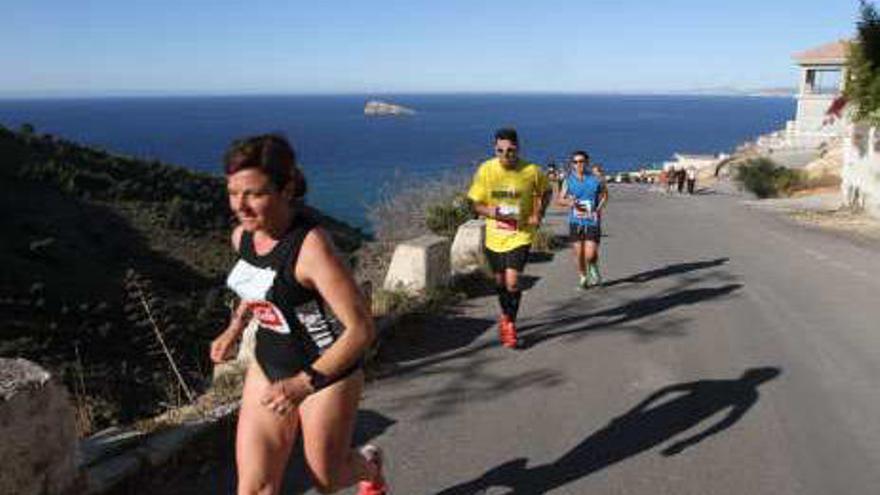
{"x": 37, "y": 427}
{"x": 376, "y": 107}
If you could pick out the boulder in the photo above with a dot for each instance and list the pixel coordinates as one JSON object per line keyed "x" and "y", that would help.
{"x": 467, "y": 253}
{"x": 419, "y": 265}
{"x": 39, "y": 446}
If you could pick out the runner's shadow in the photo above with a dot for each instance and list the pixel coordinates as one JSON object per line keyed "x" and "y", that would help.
{"x": 419, "y": 336}
{"x": 619, "y": 315}
{"x": 658, "y": 418}
{"x": 540, "y": 257}
{"x": 668, "y": 270}
{"x": 479, "y": 285}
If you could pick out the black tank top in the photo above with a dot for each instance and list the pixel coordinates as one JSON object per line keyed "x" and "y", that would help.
{"x": 295, "y": 327}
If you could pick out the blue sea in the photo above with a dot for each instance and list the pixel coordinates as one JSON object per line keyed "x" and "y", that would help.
{"x": 348, "y": 158}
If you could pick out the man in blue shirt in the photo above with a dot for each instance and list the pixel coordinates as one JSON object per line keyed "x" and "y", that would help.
{"x": 585, "y": 195}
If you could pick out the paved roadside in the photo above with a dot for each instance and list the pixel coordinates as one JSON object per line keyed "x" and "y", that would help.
{"x": 730, "y": 351}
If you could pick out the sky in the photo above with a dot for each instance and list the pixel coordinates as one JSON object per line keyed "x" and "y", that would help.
{"x": 112, "y": 47}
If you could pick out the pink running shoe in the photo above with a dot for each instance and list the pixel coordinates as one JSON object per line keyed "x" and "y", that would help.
{"x": 373, "y": 455}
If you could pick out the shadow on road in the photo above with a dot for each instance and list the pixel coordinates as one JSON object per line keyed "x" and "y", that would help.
{"x": 668, "y": 270}
{"x": 422, "y": 335}
{"x": 208, "y": 465}
{"x": 540, "y": 257}
{"x": 633, "y": 310}
{"x": 653, "y": 421}
{"x": 479, "y": 285}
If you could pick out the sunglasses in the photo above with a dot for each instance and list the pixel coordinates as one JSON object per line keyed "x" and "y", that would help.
{"x": 579, "y": 161}
{"x": 505, "y": 151}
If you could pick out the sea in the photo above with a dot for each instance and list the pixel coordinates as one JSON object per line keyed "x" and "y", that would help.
{"x": 352, "y": 160}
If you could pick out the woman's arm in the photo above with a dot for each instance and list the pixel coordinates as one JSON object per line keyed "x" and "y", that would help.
{"x": 319, "y": 268}
{"x": 223, "y": 343}
{"x": 603, "y": 197}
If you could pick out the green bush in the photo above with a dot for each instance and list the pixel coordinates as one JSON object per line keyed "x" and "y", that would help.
{"x": 863, "y": 66}
{"x": 445, "y": 218}
{"x": 766, "y": 179}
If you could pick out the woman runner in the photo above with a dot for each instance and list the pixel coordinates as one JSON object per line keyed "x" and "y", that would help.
{"x": 307, "y": 373}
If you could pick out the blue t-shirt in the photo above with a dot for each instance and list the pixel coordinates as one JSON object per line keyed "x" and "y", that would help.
{"x": 586, "y": 193}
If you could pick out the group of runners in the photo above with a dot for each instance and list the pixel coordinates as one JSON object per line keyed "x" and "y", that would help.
{"x": 678, "y": 177}
{"x": 511, "y": 194}
{"x": 313, "y": 324}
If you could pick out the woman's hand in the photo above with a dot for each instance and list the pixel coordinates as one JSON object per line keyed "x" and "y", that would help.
{"x": 286, "y": 395}
{"x": 221, "y": 347}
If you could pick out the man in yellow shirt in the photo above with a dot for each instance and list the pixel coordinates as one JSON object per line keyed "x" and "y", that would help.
{"x": 508, "y": 191}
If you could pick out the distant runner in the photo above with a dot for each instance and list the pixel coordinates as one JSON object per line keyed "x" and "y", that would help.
{"x": 585, "y": 196}
{"x": 691, "y": 179}
{"x": 509, "y": 192}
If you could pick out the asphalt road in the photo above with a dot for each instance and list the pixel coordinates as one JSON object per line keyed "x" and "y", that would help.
{"x": 731, "y": 351}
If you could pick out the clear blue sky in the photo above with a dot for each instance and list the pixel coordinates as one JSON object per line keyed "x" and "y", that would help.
{"x": 81, "y": 47}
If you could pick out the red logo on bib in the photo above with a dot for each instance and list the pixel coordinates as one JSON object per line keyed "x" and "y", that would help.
{"x": 267, "y": 314}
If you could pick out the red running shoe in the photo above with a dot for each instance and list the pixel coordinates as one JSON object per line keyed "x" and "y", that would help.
{"x": 507, "y": 331}
{"x": 373, "y": 455}
{"x": 503, "y": 322}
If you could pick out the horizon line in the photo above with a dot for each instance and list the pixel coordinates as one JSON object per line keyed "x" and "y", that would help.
{"x": 733, "y": 92}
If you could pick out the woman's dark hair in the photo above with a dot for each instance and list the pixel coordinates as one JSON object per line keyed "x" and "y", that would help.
{"x": 507, "y": 134}
{"x": 271, "y": 154}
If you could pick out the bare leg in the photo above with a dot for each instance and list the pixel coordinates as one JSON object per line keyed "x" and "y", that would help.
{"x": 578, "y": 247}
{"x": 263, "y": 439}
{"x": 328, "y": 420}
{"x": 590, "y": 252}
{"x": 511, "y": 279}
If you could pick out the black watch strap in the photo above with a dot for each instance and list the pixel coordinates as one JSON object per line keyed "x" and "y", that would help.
{"x": 317, "y": 380}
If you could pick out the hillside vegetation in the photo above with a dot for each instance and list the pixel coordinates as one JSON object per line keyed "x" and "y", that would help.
{"x": 100, "y": 251}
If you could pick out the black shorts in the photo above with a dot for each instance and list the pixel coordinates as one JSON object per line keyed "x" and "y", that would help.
{"x": 282, "y": 356}
{"x": 515, "y": 259}
{"x": 584, "y": 232}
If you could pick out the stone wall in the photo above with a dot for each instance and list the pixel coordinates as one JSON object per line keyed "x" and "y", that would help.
{"x": 812, "y": 114}
{"x": 39, "y": 442}
{"x": 861, "y": 168}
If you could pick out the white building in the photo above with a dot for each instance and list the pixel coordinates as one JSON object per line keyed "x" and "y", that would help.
{"x": 861, "y": 168}
{"x": 704, "y": 164}
{"x": 822, "y": 77}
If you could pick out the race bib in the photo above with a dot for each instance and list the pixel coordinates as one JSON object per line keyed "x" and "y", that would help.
{"x": 270, "y": 317}
{"x": 511, "y": 221}
{"x": 584, "y": 209}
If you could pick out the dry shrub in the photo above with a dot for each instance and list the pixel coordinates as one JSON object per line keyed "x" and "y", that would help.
{"x": 402, "y": 213}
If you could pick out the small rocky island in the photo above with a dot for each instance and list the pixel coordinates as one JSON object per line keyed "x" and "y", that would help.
{"x": 377, "y": 107}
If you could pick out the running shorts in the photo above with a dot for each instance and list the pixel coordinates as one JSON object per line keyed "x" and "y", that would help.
{"x": 591, "y": 233}
{"x": 515, "y": 259}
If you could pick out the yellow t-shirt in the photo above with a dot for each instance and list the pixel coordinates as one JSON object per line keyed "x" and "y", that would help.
{"x": 513, "y": 191}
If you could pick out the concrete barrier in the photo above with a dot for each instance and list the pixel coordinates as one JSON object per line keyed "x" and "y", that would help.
{"x": 39, "y": 444}
{"x": 467, "y": 253}
{"x": 419, "y": 264}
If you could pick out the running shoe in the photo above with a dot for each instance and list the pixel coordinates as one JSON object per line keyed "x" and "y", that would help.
{"x": 510, "y": 338}
{"x": 504, "y": 333}
{"x": 594, "y": 275}
{"x": 373, "y": 455}
{"x": 503, "y": 322}
{"x": 583, "y": 282}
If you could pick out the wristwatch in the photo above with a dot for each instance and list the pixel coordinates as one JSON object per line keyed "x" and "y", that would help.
{"x": 317, "y": 380}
